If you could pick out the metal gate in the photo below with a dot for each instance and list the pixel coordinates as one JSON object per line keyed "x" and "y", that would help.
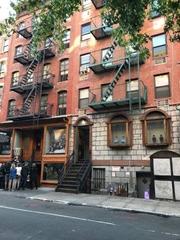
{"x": 165, "y": 169}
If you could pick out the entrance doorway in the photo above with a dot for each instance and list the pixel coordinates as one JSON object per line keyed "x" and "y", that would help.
{"x": 82, "y": 140}
{"x": 83, "y": 143}
{"x": 143, "y": 183}
{"x": 30, "y": 142}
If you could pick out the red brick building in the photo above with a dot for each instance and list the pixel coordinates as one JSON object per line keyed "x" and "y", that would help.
{"x": 109, "y": 116}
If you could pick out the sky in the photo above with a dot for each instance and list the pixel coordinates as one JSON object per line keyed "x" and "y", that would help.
{"x": 4, "y": 9}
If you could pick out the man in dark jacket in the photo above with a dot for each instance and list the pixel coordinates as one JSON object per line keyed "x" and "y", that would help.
{"x": 24, "y": 175}
{"x": 33, "y": 176}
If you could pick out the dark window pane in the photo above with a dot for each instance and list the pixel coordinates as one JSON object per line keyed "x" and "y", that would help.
{"x": 156, "y": 132}
{"x": 5, "y": 142}
{"x": 51, "y": 171}
{"x": 162, "y": 92}
{"x": 119, "y": 133}
{"x": 84, "y": 103}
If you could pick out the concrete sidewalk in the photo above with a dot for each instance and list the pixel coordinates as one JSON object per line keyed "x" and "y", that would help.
{"x": 158, "y": 207}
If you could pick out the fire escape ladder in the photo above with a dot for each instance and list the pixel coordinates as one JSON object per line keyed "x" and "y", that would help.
{"x": 113, "y": 83}
{"x": 29, "y": 99}
{"x": 109, "y": 53}
{"x": 31, "y": 68}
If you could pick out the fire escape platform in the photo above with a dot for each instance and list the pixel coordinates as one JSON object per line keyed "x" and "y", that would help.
{"x": 104, "y": 67}
{"x": 98, "y": 3}
{"x": 22, "y": 59}
{"x": 101, "y": 32}
{"x": 25, "y": 33}
{"x": 28, "y": 116}
{"x": 117, "y": 103}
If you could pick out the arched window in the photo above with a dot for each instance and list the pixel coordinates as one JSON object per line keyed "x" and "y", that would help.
{"x": 119, "y": 132}
{"x": 156, "y": 128}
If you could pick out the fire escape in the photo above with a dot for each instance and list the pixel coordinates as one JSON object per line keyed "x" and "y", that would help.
{"x": 32, "y": 85}
{"x": 115, "y": 59}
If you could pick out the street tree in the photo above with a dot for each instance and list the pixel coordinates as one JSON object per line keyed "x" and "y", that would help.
{"x": 128, "y": 17}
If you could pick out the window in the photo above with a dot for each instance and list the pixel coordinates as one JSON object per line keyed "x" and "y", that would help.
{"x": 11, "y": 107}
{"x": 162, "y": 87}
{"x": 64, "y": 69}
{"x": 5, "y": 143}
{"x": 66, "y": 38}
{"x": 119, "y": 132}
{"x": 18, "y": 50}
{"x": 155, "y": 9}
{"x": 84, "y": 63}
{"x": 43, "y": 104}
{"x": 104, "y": 88}
{"x": 15, "y": 78}
{"x": 86, "y": 4}
{"x": 55, "y": 140}
{"x": 5, "y": 45}
{"x": 1, "y": 94}
{"x": 20, "y": 27}
{"x": 62, "y": 99}
{"x": 48, "y": 42}
{"x": 51, "y": 171}
{"x": 46, "y": 71}
{"x": 108, "y": 62}
{"x": 83, "y": 98}
{"x": 98, "y": 178}
{"x": 132, "y": 88}
{"x": 156, "y": 129}
{"x": 2, "y": 68}
{"x": 159, "y": 45}
{"x": 85, "y": 31}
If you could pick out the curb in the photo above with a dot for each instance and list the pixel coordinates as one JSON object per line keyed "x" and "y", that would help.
{"x": 161, "y": 214}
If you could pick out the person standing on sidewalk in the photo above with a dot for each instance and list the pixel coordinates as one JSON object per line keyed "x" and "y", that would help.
{"x": 12, "y": 177}
{"x": 18, "y": 175}
{"x": 33, "y": 176}
{"x": 7, "y": 171}
{"x": 24, "y": 175}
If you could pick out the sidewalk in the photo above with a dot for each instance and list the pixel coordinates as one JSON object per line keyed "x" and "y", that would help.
{"x": 158, "y": 207}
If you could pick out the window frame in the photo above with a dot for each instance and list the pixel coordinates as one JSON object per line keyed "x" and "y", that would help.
{"x": 166, "y": 122}
{"x": 11, "y": 109}
{"x": 64, "y": 70}
{"x": 80, "y": 99}
{"x": 62, "y": 106}
{"x": 155, "y": 88}
{"x": 159, "y": 46}
{"x": 119, "y": 119}
{"x": 67, "y": 38}
{"x": 5, "y": 46}
{"x": 2, "y": 68}
{"x": 86, "y": 36}
{"x": 15, "y": 78}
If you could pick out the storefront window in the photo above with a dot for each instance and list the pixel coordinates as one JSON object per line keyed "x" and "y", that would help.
{"x": 5, "y": 143}
{"x": 55, "y": 140}
{"x": 51, "y": 171}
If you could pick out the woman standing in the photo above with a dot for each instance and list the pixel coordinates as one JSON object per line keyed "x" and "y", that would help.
{"x": 12, "y": 177}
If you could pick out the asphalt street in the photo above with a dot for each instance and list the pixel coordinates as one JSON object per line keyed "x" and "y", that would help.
{"x": 27, "y": 219}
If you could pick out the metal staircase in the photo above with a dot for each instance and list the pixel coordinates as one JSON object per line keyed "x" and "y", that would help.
{"x": 29, "y": 99}
{"x": 74, "y": 176}
{"x": 118, "y": 74}
{"x": 113, "y": 83}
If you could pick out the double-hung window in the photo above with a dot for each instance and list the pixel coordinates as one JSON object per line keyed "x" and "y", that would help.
{"x": 159, "y": 45}
{"x": 85, "y": 31}
{"x": 83, "y": 98}
{"x": 64, "y": 70}
{"x": 162, "y": 86}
